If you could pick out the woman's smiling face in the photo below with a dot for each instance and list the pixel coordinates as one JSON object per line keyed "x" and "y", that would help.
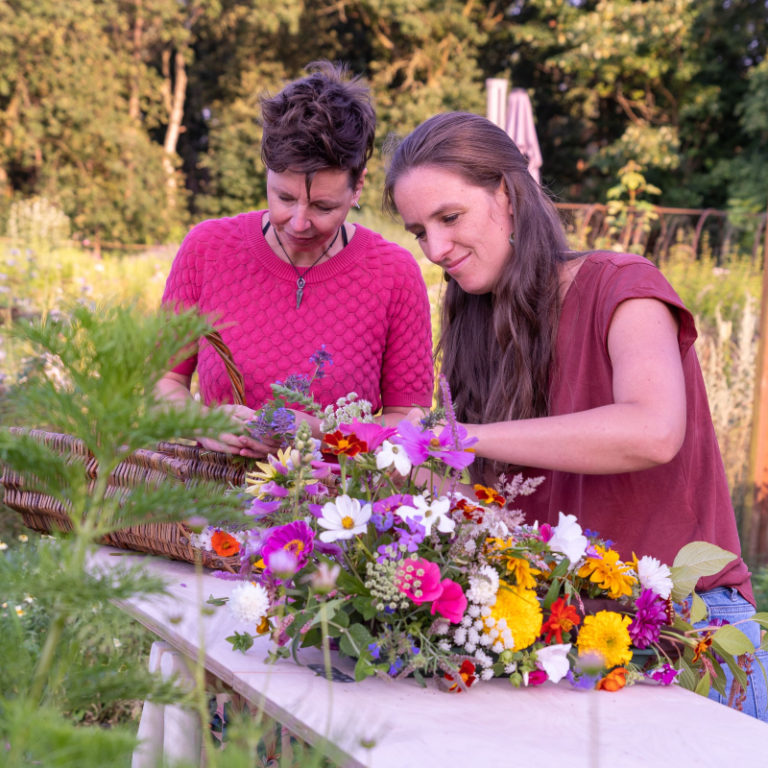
{"x": 460, "y": 227}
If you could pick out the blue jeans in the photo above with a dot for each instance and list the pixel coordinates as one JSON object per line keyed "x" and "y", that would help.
{"x": 726, "y": 603}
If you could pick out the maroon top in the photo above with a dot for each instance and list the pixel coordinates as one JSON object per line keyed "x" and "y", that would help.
{"x": 654, "y": 511}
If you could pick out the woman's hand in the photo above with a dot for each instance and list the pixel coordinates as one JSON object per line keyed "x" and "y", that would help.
{"x": 236, "y": 443}
{"x": 174, "y": 388}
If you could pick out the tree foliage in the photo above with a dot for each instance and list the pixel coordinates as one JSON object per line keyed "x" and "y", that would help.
{"x": 136, "y": 116}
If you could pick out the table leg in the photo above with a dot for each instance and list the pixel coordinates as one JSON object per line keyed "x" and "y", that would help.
{"x": 182, "y": 734}
{"x": 149, "y": 752}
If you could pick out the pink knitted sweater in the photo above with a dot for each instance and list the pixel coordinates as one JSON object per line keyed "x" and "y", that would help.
{"x": 368, "y": 305}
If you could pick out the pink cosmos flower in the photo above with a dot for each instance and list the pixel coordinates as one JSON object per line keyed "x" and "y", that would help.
{"x": 372, "y": 434}
{"x": 420, "y": 445}
{"x": 451, "y": 603}
{"x": 297, "y": 538}
{"x": 419, "y": 580}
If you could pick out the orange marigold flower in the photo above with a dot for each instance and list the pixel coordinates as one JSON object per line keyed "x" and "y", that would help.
{"x": 615, "y": 680}
{"x": 467, "y": 675}
{"x": 348, "y": 445}
{"x": 224, "y": 545}
{"x": 563, "y": 618}
{"x": 489, "y": 495}
{"x": 702, "y": 646}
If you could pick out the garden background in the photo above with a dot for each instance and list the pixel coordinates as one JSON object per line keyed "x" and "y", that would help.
{"x": 122, "y": 122}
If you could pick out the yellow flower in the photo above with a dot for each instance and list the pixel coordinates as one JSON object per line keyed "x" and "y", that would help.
{"x": 266, "y": 472}
{"x": 522, "y": 571}
{"x": 606, "y": 633}
{"x": 609, "y": 573}
{"x": 521, "y": 613}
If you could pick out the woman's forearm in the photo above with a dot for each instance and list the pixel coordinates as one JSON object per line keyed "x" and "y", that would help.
{"x": 621, "y": 437}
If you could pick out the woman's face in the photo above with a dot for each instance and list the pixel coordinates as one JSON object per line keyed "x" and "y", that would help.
{"x": 461, "y": 227}
{"x": 306, "y": 223}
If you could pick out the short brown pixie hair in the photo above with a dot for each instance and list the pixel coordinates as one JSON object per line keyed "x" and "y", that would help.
{"x": 321, "y": 121}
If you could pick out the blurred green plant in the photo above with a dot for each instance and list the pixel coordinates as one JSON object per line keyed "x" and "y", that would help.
{"x": 629, "y": 217}
{"x": 107, "y": 361}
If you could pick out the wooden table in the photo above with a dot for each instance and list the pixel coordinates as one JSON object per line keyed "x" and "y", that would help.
{"x": 381, "y": 723}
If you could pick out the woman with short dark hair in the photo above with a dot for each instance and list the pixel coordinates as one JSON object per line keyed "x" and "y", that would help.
{"x": 284, "y": 283}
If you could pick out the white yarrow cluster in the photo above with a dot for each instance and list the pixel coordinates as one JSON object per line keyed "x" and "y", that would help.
{"x": 249, "y": 603}
{"x": 483, "y": 586}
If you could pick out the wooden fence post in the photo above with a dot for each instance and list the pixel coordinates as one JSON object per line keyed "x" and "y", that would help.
{"x": 755, "y": 529}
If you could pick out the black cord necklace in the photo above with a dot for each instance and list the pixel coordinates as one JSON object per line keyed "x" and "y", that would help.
{"x": 300, "y": 279}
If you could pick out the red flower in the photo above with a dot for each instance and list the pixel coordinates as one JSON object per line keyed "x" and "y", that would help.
{"x": 489, "y": 495}
{"x": 615, "y": 680}
{"x": 348, "y": 445}
{"x": 471, "y": 512}
{"x": 563, "y": 618}
{"x": 467, "y": 675}
{"x": 224, "y": 545}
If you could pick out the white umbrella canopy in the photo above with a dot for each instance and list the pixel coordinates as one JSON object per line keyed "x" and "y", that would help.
{"x": 522, "y": 129}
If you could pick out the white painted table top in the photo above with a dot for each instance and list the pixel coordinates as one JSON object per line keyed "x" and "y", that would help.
{"x": 380, "y": 723}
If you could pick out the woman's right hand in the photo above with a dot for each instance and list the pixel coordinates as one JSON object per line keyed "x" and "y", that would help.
{"x": 236, "y": 443}
{"x": 175, "y": 389}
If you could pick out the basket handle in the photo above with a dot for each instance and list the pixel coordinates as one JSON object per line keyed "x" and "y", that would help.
{"x": 235, "y": 377}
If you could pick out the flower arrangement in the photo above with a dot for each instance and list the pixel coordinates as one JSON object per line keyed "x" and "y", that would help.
{"x": 368, "y": 541}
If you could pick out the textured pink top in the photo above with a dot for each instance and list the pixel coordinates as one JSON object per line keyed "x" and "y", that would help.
{"x": 654, "y": 511}
{"x": 368, "y": 305}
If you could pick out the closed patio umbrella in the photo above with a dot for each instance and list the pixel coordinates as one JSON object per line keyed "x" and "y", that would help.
{"x": 522, "y": 129}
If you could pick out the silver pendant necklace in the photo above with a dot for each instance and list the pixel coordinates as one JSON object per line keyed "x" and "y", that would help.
{"x": 300, "y": 278}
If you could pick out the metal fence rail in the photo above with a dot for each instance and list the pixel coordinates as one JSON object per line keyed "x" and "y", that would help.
{"x": 694, "y": 232}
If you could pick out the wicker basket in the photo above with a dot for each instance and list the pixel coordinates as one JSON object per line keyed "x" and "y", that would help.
{"x": 181, "y": 463}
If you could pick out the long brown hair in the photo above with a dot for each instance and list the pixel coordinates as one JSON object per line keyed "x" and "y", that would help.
{"x": 497, "y": 348}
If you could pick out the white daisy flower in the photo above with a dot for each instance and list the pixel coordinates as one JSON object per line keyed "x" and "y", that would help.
{"x": 344, "y": 518}
{"x": 390, "y": 454}
{"x": 249, "y": 603}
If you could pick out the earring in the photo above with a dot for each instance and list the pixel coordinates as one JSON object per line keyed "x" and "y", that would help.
{"x": 512, "y": 239}
{"x": 356, "y": 204}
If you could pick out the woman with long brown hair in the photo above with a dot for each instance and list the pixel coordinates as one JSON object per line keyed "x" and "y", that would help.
{"x": 579, "y": 366}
